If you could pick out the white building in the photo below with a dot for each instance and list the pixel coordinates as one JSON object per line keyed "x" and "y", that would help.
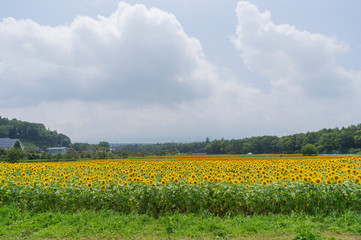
{"x": 55, "y": 150}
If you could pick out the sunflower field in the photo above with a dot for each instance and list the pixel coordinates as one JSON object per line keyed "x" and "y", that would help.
{"x": 218, "y": 184}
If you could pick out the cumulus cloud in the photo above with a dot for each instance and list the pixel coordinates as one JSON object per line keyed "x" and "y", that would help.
{"x": 136, "y": 55}
{"x": 295, "y": 62}
{"x": 133, "y": 75}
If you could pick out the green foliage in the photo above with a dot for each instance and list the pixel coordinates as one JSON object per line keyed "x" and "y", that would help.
{"x": 218, "y": 199}
{"x": 46, "y": 156}
{"x": 2, "y": 152}
{"x": 15, "y": 154}
{"x": 3, "y": 155}
{"x": 216, "y": 147}
{"x": 345, "y": 140}
{"x": 17, "y": 223}
{"x": 307, "y": 235}
{"x": 58, "y": 156}
{"x": 32, "y": 155}
{"x": 170, "y": 148}
{"x": 32, "y": 133}
{"x": 103, "y": 146}
{"x": 17, "y": 145}
{"x": 82, "y": 146}
{"x": 309, "y": 150}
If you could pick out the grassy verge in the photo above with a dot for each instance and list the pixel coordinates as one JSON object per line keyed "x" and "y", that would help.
{"x": 107, "y": 224}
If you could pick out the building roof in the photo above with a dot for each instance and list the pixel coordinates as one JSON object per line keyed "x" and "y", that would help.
{"x": 57, "y": 148}
{"x": 7, "y": 142}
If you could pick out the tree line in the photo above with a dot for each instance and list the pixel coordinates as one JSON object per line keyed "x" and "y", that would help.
{"x": 326, "y": 141}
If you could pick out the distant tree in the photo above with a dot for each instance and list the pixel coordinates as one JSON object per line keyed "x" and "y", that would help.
{"x": 34, "y": 133}
{"x": 217, "y": 147}
{"x": 357, "y": 138}
{"x": 58, "y": 156}
{"x": 32, "y": 155}
{"x": 344, "y": 141}
{"x": 101, "y": 154}
{"x": 2, "y": 152}
{"x": 81, "y": 146}
{"x": 46, "y": 156}
{"x": 15, "y": 154}
{"x": 71, "y": 156}
{"x": 287, "y": 144}
{"x": 161, "y": 153}
{"x": 17, "y": 145}
{"x": 3, "y": 155}
{"x": 308, "y": 150}
{"x": 104, "y": 146}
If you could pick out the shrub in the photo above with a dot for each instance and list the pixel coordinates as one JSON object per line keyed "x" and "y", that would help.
{"x": 309, "y": 150}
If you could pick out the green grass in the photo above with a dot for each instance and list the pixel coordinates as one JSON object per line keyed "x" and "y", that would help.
{"x": 107, "y": 224}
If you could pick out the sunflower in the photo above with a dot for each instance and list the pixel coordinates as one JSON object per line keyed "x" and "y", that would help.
{"x": 357, "y": 180}
{"x": 103, "y": 187}
{"x": 89, "y": 185}
{"x": 317, "y": 180}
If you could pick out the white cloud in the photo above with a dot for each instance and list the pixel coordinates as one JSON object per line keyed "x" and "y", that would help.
{"x": 296, "y": 62}
{"x": 136, "y": 55}
{"x": 133, "y": 75}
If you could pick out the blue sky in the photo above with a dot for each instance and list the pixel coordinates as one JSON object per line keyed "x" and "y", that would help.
{"x": 157, "y": 71}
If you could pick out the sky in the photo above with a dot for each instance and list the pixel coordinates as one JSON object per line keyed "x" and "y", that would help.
{"x": 148, "y": 71}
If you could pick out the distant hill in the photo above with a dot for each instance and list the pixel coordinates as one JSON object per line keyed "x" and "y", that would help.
{"x": 32, "y": 134}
